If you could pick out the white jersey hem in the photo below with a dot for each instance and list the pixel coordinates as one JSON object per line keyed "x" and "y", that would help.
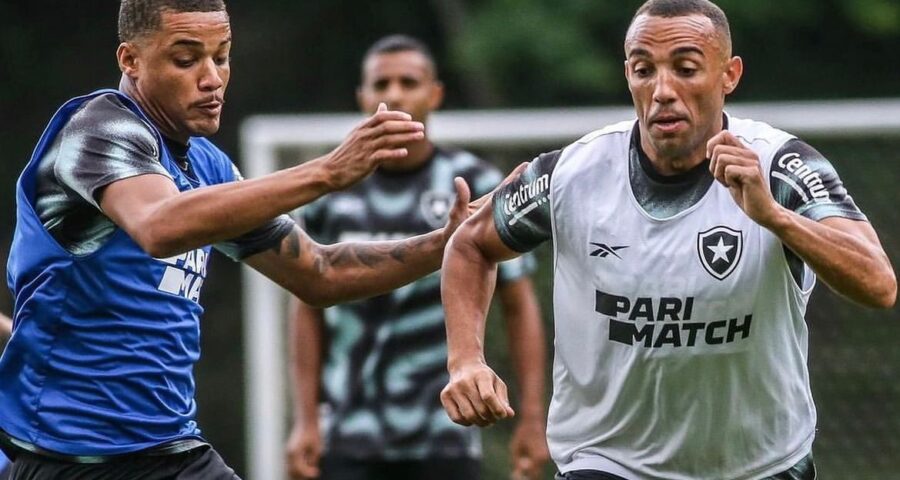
{"x": 605, "y": 465}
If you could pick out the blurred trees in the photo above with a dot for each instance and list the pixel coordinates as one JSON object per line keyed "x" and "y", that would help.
{"x": 294, "y": 56}
{"x": 551, "y": 52}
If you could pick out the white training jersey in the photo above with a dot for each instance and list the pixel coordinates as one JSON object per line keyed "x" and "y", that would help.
{"x": 680, "y": 341}
{"x": 681, "y": 345}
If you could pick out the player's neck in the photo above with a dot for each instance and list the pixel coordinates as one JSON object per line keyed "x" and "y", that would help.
{"x": 667, "y": 164}
{"x": 677, "y": 162}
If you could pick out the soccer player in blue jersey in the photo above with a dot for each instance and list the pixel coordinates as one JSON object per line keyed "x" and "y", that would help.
{"x": 116, "y": 214}
{"x": 686, "y": 245}
{"x": 380, "y": 363}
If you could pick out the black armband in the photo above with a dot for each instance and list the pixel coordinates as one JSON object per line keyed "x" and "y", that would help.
{"x": 804, "y": 181}
{"x": 522, "y": 207}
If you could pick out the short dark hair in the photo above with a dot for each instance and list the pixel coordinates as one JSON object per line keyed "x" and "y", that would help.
{"x": 681, "y": 8}
{"x": 400, "y": 43}
{"x": 139, "y": 17}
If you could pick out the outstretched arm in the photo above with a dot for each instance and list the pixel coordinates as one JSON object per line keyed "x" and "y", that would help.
{"x": 322, "y": 275}
{"x": 165, "y": 222}
{"x": 521, "y": 207}
{"x": 475, "y": 394}
{"x": 845, "y": 253}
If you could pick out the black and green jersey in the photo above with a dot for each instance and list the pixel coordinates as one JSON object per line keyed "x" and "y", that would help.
{"x": 386, "y": 357}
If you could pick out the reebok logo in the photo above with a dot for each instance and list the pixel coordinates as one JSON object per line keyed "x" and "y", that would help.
{"x": 603, "y": 250}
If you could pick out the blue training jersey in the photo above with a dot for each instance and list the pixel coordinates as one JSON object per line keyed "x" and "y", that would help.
{"x": 103, "y": 346}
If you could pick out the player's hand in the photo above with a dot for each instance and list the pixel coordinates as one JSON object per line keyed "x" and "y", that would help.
{"x": 303, "y": 450}
{"x": 737, "y": 167}
{"x": 381, "y": 137}
{"x": 463, "y": 208}
{"x": 475, "y": 396}
{"x": 528, "y": 450}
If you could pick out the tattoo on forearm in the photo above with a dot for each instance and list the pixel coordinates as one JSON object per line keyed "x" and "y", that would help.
{"x": 290, "y": 245}
{"x": 372, "y": 254}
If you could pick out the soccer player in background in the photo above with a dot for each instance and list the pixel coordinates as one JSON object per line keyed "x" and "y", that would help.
{"x": 380, "y": 364}
{"x": 686, "y": 246}
{"x": 116, "y": 214}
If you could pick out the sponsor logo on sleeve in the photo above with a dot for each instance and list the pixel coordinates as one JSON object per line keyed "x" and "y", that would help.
{"x": 803, "y": 179}
{"x": 527, "y": 197}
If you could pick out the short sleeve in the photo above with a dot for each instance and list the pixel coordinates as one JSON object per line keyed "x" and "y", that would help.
{"x": 522, "y": 208}
{"x": 804, "y": 181}
{"x": 102, "y": 143}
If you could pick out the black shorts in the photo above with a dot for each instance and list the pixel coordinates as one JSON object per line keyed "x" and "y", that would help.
{"x": 201, "y": 463}
{"x": 343, "y": 468}
{"x": 804, "y": 470}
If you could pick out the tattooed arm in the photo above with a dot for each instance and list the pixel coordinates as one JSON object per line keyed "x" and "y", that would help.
{"x": 323, "y": 275}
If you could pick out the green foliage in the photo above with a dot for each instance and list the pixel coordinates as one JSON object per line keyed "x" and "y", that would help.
{"x": 563, "y": 52}
{"x": 875, "y": 17}
{"x": 541, "y": 48}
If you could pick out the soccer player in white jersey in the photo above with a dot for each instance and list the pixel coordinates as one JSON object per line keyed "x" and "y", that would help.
{"x": 686, "y": 244}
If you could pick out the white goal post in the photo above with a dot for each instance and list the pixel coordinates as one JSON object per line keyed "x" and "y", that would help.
{"x": 263, "y": 136}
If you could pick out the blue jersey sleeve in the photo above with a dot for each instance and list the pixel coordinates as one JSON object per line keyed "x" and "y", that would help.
{"x": 102, "y": 143}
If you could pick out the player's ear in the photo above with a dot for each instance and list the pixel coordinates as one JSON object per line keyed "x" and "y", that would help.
{"x": 436, "y": 97}
{"x": 127, "y": 55}
{"x": 734, "y": 68}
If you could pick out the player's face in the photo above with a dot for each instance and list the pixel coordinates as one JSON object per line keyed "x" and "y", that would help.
{"x": 405, "y": 81}
{"x": 679, "y": 72}
{"x": 180, "y": 72}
